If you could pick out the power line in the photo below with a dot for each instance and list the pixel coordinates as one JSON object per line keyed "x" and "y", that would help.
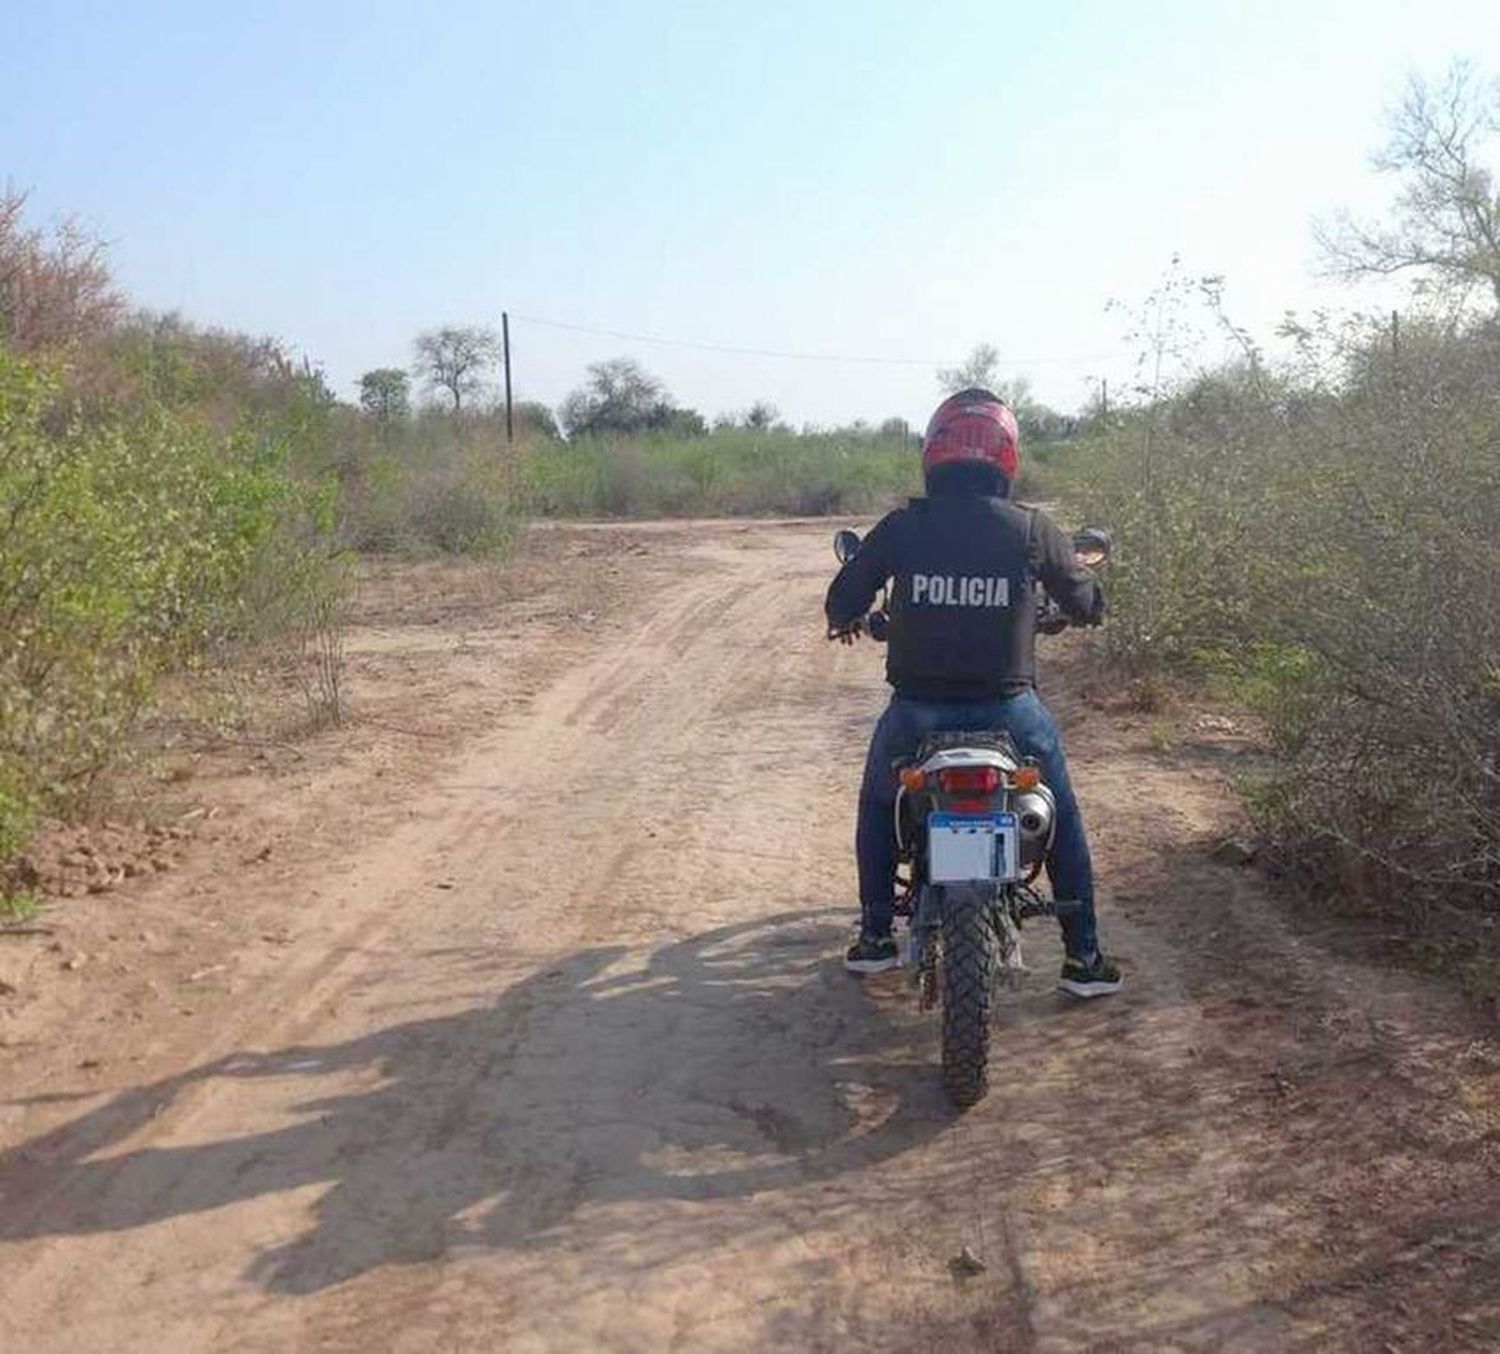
{"x": 726, "y": 347}
{"x": 791, "y": 356}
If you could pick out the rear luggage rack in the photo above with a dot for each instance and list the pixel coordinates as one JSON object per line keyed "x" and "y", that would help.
{"x": 995, "y": 740}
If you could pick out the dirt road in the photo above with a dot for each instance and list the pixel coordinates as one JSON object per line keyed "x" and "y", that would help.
{"x": 530, "y": 1033}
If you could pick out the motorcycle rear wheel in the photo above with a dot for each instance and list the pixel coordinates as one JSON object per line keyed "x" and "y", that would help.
{"x": 968, "y": 969}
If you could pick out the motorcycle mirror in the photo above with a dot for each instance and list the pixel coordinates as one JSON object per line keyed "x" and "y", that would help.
{"x": 1092, "y": 547}
{"x": 846, "y": 545}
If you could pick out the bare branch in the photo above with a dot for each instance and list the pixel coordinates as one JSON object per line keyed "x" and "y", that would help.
{"x": 1446, "y": 218}
{"x": 55, "y": 289}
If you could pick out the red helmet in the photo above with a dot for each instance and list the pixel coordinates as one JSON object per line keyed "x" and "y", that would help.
{"x": 973, "y": 425}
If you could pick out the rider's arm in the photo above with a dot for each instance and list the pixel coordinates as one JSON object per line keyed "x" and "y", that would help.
{"x": 853, "y": 589}
{"x": 1073, "y": 587}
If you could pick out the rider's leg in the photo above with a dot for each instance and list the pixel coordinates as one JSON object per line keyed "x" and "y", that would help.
{"x": 875, "y": 835}
{"x": 1069, "y": 866}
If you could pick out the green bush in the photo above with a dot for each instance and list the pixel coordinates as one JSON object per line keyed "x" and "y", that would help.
{"x": 729, "y": 472}
{"x": 130, "y": 542}
{"x": 434, "y": 487}
{"x": 1322, "y": 540}
{"x": 435, "y": 483}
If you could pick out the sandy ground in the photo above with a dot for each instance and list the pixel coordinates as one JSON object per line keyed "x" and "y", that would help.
{"x": 510, "y": 1017}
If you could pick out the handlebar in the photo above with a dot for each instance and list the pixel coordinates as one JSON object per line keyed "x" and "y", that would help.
{"x": 873, "y": 623}
{"x": 1050, "y": 620}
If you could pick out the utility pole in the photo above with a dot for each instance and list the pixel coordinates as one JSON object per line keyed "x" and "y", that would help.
{"x": 510, "y": 426}
{"x": 1104, "y": 399}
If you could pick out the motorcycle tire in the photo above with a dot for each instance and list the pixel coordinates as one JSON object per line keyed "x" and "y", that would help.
{"x": 968, "y": 970}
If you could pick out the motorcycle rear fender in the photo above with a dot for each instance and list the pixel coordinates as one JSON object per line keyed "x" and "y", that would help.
{"x": 1036, "y": 808}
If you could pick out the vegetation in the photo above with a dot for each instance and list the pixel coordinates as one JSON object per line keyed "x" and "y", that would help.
{"x": 1319, "y": 538}
{"x": 19, "y": 906}
{"x": 1037, "y": 423}
{"x": 385, "y": 395}
{"x": 621, "y": 398}
{"x": 1318, "y": 535}
{"x": 151, "y": 515}
{"x": 1445, "y": 225}
{"x": 726, "y": 472}
{"x": 449, "y": 480}
{"x": 55, "y": 290}
{"x": 454, "y": 360}
{"x": 432, "y": 483}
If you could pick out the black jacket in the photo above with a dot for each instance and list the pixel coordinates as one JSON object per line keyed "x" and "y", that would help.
{"x": 963, "y": 606}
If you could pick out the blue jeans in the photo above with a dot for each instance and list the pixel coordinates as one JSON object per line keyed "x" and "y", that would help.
{"x": 1030, "y": 723}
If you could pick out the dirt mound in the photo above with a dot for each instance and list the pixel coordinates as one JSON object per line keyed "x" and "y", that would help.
{"x": 64, "y": 861}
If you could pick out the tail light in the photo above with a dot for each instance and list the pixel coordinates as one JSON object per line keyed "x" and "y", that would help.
{"x": 969, "y": 780}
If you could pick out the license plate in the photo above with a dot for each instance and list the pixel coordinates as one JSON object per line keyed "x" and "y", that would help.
{"x": 964, "y": 848}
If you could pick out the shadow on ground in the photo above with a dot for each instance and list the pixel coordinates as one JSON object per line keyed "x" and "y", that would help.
{"x": 733, "y": 1062}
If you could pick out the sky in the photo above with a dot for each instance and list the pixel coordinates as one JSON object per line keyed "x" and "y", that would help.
{"x": 886, "y": 180}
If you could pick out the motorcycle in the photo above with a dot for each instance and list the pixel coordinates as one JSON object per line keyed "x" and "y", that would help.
{"x": 974, "y": 824}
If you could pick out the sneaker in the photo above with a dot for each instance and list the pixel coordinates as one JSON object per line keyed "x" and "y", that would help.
{"x": 1098, "y": 979}
{"x": 873, "y": 954}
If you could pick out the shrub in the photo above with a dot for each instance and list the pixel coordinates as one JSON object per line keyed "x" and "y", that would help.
{"x": 438, "y": 487}
{"x": 1322, "y": 538}
{"x": 730, "y": 471}
{"x": 55, "y": 290}
{"x": 130, "y": 542}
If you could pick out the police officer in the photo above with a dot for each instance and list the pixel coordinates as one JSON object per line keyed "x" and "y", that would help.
{"x": 962, "y": 656}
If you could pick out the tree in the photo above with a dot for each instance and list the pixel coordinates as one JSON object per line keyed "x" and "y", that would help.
{"x": 55, "y": 291}
{"x": 671, "y": 418}
{"x": 761, "y": 415}
{"x": 1016, "y": 392}
{"x": 619, "y": 396}
{"x": 1446, "y": 221}
{"x": 455, "y": 358}
{"x": 980, "y": 368}
{"x": 384, "y": 394}
{"x": 1037, "y": 423}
